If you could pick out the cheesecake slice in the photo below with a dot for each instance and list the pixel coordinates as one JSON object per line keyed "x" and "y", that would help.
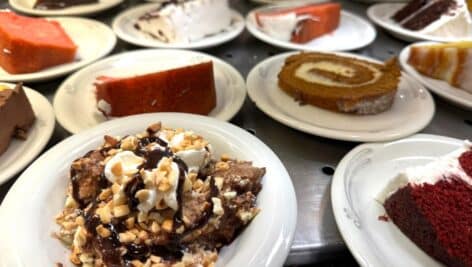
{"x": 16, "y": 115}
{"x": 300, "y": 24}
{"x": 189, "y": 89}
{"x": 450, "y": 62}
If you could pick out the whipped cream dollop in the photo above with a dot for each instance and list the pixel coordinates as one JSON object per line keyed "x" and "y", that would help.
{"x": 124, "y": 163}
{"x": 442, "y": 168}
{"x": 194, "y": 158}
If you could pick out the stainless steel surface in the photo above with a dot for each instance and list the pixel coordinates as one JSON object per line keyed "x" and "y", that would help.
{"x": 304, "y": 155}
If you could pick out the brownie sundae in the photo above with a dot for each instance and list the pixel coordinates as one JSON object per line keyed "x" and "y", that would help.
{"x": 157, "y": 198}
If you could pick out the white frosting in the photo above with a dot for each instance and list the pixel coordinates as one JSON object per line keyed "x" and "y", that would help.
{"x": 282, "y": 26}
{"x": 439, "y": 169}
{"x": 187, "y": 21}
{"x": 104, "y": 106}
{"x": 129, "y": 165}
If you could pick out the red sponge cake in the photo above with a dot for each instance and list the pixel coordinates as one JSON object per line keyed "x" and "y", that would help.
{"x": 189, "y": 89}
{"x": 32, "y": 44}
{"x": 304, "y": 23}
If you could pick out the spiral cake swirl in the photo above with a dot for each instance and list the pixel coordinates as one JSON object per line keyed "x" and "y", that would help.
{"x": 340, "y": 83}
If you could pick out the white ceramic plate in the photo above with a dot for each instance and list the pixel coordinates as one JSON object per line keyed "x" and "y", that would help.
{"x": 22, "y": 152}
{"x": 94, "y": 40}
{"x": 26, "y": 6}
{"x": 41, "y": 192}
{"x": 287, "y": 1}
{"x": 439, "y": 87}
{"x": 359, "y": 177}
{"x": 123, "y": 25}
{"x": 76, "y": 95}
{"x": 381, "y": 14}
{"x": 353, "y": 33}
{"x": 412, "y": 110}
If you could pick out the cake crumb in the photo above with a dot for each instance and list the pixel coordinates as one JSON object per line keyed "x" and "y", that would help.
{"x": 384, "y": 218}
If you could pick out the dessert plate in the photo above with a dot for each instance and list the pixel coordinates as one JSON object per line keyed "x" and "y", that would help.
{"x": 380, "y": 14}
{"x": 359, "y": 177}
{"x": 26, "y": 6}
{"x": 22, "y": 152}
{"x": 94, "y": 40}
{"x": 76, "y": 95}
{"x": 123, "y": 25}
{"x": 265, "y": 242}
{"x": 353, "y": 33}
{"x": 439, "y": 87}
{"x": 412, "y": 110}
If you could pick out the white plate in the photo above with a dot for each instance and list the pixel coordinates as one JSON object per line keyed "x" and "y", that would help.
{"x": 381, "y": 15}
{"x": 22, "y": 152}
{"x": 287, "y": 2}
{"x": 353, "y": 33}
{"x": 26, "y": 6}
{"x": 123, "y": 25}
{"x": 41, "y": 192}
{"x": 439, "y": 87}
{"x": 412, "y": 109}
{"x": 359, "y": 177}
{"x": 94, "y": 40}
{"x": 76, "y": 95}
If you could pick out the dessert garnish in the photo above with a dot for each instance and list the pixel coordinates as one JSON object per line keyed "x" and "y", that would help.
{"x": 157, "y": 198}
{"x": 340, "y": 83}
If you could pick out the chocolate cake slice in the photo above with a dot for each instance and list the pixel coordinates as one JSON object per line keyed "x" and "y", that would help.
{"x": 16, "y": 115}
{"x": 434, "y": 207}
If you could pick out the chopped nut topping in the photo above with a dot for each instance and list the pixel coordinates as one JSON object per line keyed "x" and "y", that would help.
{"x": 154, "y": 128}
{"x": 167, "y": 225}
{"x": 120, "y": 211}
{"x": 127, "y": 237}
{"x": 129, "y": 143}
{"x": 110, "y": 141}
{"x": 222, "y": 166}
{"x": 102, "y": 231}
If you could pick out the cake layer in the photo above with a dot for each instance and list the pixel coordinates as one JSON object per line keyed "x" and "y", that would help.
{"x": 32, "y": 44}
{"x": 443, "y": 18}
{"x": 340, "y": 83}
{"x": 300, "y": 24}
{"x": 450, "y": 62}
{"x": 60, "y": 4}
{"x": 188, "y": 89}
{"x": 16, "y": 115}
{"x": 185, "y": 21}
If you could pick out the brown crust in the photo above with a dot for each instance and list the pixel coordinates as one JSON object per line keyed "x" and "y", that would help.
{"x": 342, "y": 98}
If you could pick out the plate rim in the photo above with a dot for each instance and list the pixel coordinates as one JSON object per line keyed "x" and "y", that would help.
{"x": 192, "y": 45}
{"x": 62, "y": 12}
{"x": 48, "y": 130}
{"x": 261, "y": 36}
{"x": 237, "y": 102}
{"x": 402, "y": 33}
{"x": 362, "y": 136}
{"x": 275, "y": 259}
{"x": 457, "y": 100}
{"x": 38, "y": 77}
{"x": 338, "y": 201}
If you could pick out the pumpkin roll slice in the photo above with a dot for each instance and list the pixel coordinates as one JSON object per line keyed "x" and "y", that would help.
{"x": 339, "y": 83}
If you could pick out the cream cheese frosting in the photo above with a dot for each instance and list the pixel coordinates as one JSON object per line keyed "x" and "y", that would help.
{"x": 436, "y": 170}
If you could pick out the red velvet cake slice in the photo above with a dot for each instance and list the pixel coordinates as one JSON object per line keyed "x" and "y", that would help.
{"x": 432, "y": 205}
{"x": 32, "y": 44}
{"x": 189, "y": 89}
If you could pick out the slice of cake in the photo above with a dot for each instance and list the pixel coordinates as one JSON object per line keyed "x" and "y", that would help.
{"x": 300, "y": 24}
{"x": 32, "y": 44}
{"x": 432, "y": 205}
{"x": 16, "y": 115}
{"x": 445, "y": 18}
{"x": 451, "y": 62}
{"x": 184, "y": 21}
{"x": 60, "y": 4}
{"x": 188, "y": 89}
{"x": 339, "y": 83}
